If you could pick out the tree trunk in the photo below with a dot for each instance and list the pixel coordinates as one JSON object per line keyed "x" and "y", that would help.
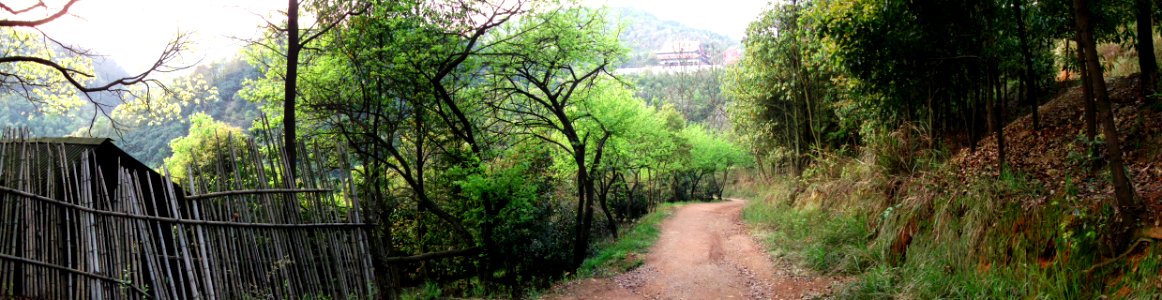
{"x": 1123, "y": 189}
{"x": 599, "y": 151}
{"x": 650, "y": 190}
{"x": 632, "y": 193}
{"x": 589, "y": 195}
{"x": 1145, "y": 47}
{"x": 974, "y": 108}
{"x": 796, "y": 161}
{"x": 999, "y": 116}
{"x": 386, "y": 274}
{"x": 581, "y": 231}
{"x": 289, "y": 87}
{"x": 694, "y": 184}
{"x": 722, "y": 188}
{"x": 1030, "y": 76}
{"x": 605, "y": 187}
{"x": 1090, "y": 114}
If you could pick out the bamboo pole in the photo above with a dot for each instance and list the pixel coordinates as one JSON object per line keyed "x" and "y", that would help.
{"x": 254, "y": 235}
{"x": 91, "y": 244}
{"x": 67, "y": 190}
{"x": 181, "y": 235}
{"x": 142, "y": 230}
{"x": 180, "y": 221}
{"x": 72, "y": 271}
{"x": 241, "y": 212}
{"x": 170, "y": 267}
{"x": 254, "y": 191}
{"x": 7, "y": 221}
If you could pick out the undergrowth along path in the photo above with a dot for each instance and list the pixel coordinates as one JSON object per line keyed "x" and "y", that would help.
{"x": 704, "y": 252}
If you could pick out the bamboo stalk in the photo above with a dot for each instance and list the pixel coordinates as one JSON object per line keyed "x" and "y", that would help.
{"x": 181, "y": 233}
{"x": 176, "y": 220}
{"x": 142, "y": 230}
{"x": 254, "y": 191}
{"x": 241, "y": 213}
{"x": 260, "y": 230}
{"x": 201, "y": 238}
{"x": 91, "y": 242}
{"x": 170, "y": 268}
{"x": 64, "y": 269}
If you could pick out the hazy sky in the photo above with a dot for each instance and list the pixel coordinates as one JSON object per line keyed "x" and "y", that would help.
{"x": 729, "y": 17}
{"x": 133, "y": 32}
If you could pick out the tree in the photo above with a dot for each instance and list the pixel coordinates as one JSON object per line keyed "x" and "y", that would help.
{"x": 329, "y": 14}
{"x": 783, "y": 87}
{"x": 551, "y": 59}
{"x": 1030, "y": 77}
{"x": 697, "y": 94}
{"x": 1123, "y": 188}
{"x": 622, "y": 120}
{"x": 641, "y": 149}
{"x": 1143, "y": 12}
{"x": 711, "y": 154}
{"x": 42, "y": 69}
{"x": 398, "y": 83}
{"x": 1089, "y": 113}
{"x": 194, "y": 151}
{"x": 293, "y": 46}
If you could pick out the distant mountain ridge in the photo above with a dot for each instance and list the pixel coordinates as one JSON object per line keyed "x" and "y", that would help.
{"x": 645, "y": 33}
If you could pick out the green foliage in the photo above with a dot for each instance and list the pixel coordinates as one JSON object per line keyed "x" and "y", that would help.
{"x": 697, "y": 95}
{"x": 710, "y": 153}
{"x": 143, "y": 127}
{"x": 520, "y": 183}
{"x": 788, "y": 90}
{"x": 17, "y": 112}
{"x": 195, "y": 150}
{"x": 1086, "y": 155}
{"x": 38, "y": 83}
{"x": 472, "y": 135}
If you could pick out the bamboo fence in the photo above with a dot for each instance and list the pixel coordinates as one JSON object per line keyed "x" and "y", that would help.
{"x": 71, "y": 228}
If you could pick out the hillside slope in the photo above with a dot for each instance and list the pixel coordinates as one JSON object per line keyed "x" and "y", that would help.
{"x": 645, "y": 33}
{"x": 951, "y": 226}
{"x": 1058, "y": 152}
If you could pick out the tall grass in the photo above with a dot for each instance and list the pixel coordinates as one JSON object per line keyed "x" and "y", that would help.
{"x": 831, "y": 243}
{"x": 930, "y": 234}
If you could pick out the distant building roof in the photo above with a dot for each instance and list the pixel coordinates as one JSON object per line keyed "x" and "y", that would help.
{"x": 682, "y": 53}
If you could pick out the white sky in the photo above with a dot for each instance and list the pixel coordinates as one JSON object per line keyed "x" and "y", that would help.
{"x": 133, "y": 32}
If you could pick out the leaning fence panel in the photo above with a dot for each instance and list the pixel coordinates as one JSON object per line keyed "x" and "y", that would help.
{"x": 80, "y": 219}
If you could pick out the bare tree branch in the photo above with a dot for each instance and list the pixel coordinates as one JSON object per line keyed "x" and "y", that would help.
{"x": 33, "y": 23}
{"x": 24, "y": 10}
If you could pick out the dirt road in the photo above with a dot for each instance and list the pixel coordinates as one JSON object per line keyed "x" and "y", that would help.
{"x": 704, "y": 252}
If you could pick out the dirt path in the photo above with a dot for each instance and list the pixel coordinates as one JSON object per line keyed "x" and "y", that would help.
{"x": 704, "y": 252}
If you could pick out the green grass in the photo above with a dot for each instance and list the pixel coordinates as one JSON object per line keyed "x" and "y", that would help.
{"x": 628, "y": 252}
{"x": 979, "y": 240}
{"x": 823, "y": 242}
